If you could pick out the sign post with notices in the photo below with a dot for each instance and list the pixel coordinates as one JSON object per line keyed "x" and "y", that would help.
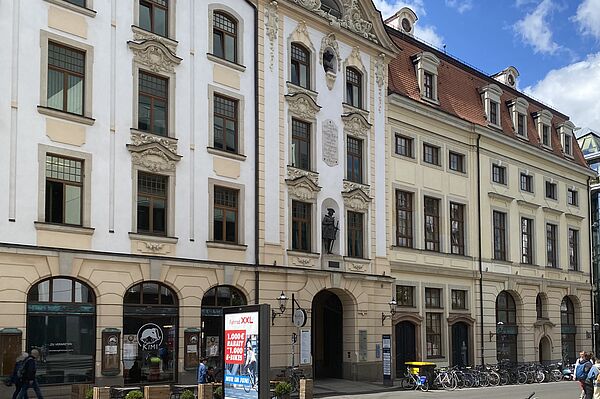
{"x": 387, "y": 359}
{"x": 246, "y": 352}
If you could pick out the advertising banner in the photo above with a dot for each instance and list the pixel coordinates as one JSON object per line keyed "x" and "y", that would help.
{"x": 387, "y": 359}
{"x": 242, "y": 353}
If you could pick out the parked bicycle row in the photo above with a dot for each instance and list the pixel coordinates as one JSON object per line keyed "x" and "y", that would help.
{"x": 425, "y": 376}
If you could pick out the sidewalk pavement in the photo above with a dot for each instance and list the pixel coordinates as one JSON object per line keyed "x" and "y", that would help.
{"x": 336, "y": 387}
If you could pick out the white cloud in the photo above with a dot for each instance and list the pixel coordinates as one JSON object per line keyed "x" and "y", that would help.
{"x": 534, "y": 29}
{"x": 460, "y": 5}
{"x": 588, "y": 17}
{"x": 521, "y": 3}
{"x": 573, "y": 90}
{"x": 390, "y": 7}
{"x": 429, "y": 35}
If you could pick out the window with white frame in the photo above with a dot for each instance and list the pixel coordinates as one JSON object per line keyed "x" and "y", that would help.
{"x": 490, "y": 96}
{"x": 565, "y": 131}
{"x": 426, "y": 65}
{"x": 543, "y": 122}
{"x": 518, "y": 113}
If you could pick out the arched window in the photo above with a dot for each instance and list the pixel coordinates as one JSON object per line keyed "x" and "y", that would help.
{"x": 150, "y": 322}
{"x": 332, "y": 7}
{"x": 300, "y": 65}
{"x": 225, "y": 36}
{"x": 61, "y": 324}
{"x": 539, "y": 307}
{"x": 506, "y": 327}
{"x": 568, "y": 330}
{"x": 212, "y": 320}
{"x": 354, "y": 87}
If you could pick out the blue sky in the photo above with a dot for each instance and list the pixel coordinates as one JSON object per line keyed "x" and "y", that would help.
{"x": 555, "y": 45}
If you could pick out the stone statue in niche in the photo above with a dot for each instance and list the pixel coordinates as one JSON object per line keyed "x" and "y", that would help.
{"x": 329, "y": 229}
{"x": 329, "y": 61}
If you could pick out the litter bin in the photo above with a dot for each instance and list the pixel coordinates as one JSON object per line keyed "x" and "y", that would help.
{"x": 423, "y": 369}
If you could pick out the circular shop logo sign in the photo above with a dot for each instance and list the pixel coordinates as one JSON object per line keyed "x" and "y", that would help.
{"x": 150, "y": 336}
{"x": 112, "y": 340}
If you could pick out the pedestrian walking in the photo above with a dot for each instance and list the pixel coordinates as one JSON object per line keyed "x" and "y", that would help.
{"x": 28, "y": 379}
{"x": 202, "y": 371}
{"x": 15, "y": 378}
{"x": 591, "y": 379}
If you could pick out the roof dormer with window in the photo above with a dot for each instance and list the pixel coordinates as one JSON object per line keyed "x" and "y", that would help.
{"x": 543, "y": 121}
{"x": 426, "y": 65}
{"x": 565, "y": 131}
{"x": 490, "y": 96}
{"x": 518, "y": 114}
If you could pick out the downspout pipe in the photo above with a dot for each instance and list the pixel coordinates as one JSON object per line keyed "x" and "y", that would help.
{"x": 592, "y": 262}
{"x": 479, "y": 261}
{"x": 256, "y": 162}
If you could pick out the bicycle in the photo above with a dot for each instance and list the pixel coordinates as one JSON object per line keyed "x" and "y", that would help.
{"x": 415, "y": 381}
{"x": 293, "y": 375}
{"x": 253, "y": 381}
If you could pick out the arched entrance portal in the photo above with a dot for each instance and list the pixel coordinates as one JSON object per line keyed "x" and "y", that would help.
{"x": 327, "y": 332}
{"x": 545, "y": 350}
{"x": 460, "y": 344}
{"x": 406, "y": 346}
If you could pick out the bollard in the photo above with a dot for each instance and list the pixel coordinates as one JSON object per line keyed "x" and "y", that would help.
{"x": 306, "y": 389}
{"x": 205, "y": 391}
{"x": 157, "y": 391}
{"x": 101, "y": 392}
{"x": 78, "y": 390}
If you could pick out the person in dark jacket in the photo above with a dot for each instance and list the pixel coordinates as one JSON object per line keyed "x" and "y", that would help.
{"x": 28, "y": 380}
{"x": 15, "y": 378}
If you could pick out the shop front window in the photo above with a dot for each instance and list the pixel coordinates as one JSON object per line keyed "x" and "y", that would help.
{"x": 212, "y": 320}
{"x": 150, "y": 322}
{"x": 568, "y": 330}
{"x": 61, "y": 324}
{"x": 506, "y": 328}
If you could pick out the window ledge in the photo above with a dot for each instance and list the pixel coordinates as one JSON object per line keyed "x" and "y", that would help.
{"x": 135, "y": 130}
{"x": 430, "y": 100}
{"x": 295, "y": 252}
{"x": 64, "y": 228}
{"x": 227, "y": 63}
{"x": 226, "y": 245}
{"x": 295, "y": 89}
{"x": 72, "y": 7}
{"x": 351, "y": 109}
{"x": 521, "y": 137}
{"x": 65, "y": 115}
{"x": 357, "y": 260}
{"x": 226, "y": 154}
{"x": 149, "y": 34}
{"x": 153, "y": 238}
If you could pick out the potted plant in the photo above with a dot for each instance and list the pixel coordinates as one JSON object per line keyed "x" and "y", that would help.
{"x": 218, "y": 392}
{"x": 135, "y": 395}
{"x": 283, "y": 389}
{"x": 187, "y": 394}
{"x": 89, "y": 393}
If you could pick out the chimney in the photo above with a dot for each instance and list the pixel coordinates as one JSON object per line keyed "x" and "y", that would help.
{"x": 508, "y": 77}
{"x": 404, "y": 21}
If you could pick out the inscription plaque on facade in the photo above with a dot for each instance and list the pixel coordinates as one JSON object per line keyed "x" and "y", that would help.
{"x": 330, "y": 143}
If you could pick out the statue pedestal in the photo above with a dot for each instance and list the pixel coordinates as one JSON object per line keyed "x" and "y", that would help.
{"x": 332, "y": 262}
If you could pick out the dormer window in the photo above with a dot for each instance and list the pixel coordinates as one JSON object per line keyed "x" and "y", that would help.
{"x": 426, "y": 65}
{"x": 353, "y": 87}
{"x": 300, "y": 64}
{"x": 331, "y": 7}
{"x": 518, "y": 113}
{"x": 543, "y": 121}
{"x": 566, "y": 137}
{"x": 490, "y": 96}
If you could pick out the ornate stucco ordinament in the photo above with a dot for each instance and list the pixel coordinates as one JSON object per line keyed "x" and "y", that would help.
{"x": 303, "y": 188}
{"x": 154, "y": 153}
{"x": 153, "y": 52}
{"x": 356, "y": 196}
{"x": 272, "y": 28}
{"x": 302, "y": 105}
{"x": 295, "y": 173}
{"x": 356, "y": 125}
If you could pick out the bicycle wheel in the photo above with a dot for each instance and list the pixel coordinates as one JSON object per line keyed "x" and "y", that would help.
{"x": 295, "y": 381}
{"x": 521, "y": 377}
{"x": 448, "y": 382}
{"x": 540, "y": 376}
{"x": 493, "y": 379}
{"x": 425, "y": 386}
{"x": 408, "y": 383}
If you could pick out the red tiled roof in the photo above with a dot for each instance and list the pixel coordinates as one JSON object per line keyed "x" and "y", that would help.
{"x": 459, "y": 93}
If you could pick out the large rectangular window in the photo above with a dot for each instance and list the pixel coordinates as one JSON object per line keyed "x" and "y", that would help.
{"x": 404, "y": 219}
{"x": 456, "y": 162}
{"x": 493, "y": 112}
{"x": 499, "y": 223}
{"x": 572, "y": 197}
{"x": 66, "y": 78}
{"x": 300, "y": 144}
{"x": 404, "y": 146}
{"x": 428, "y": 85}
{"x": 153, "y": 103}
{"x": 459, "y": 299}
{"x": 546, "y": 135}
{"x": 433, "y": 298}
{"x": 433, "y": 325}
{"x": 353, "y": 87}
{"x": 225, "y": 123}
{"x": 355, "y": 235}
{"x": 457, "y": 228}
{"x": 226, "y": 211}
{"x": 301, "y": 226}
{"x": 526, "y": 183}
{"x": 521, "y": 124}
{"x": 526, "y": 240}
{"x": 432, "y": 224}
{"x": 405, "y": 295}
{"x": 498, "y": 174}
{"x": 225, "y": 34}
{"x": 354, "y": 160}
{"x": 152, "y": 203}
{"x": 64, "y": 184}
{"x": 551, "y": 250}
{"x": 431, "y": 154}
{"x": 573, "y": 249}
{"x": 551, "y": 190}
{"x": 153, "y": 16}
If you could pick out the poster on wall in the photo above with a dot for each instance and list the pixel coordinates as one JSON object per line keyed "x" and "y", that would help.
{"x": 246, "y": 352}
{"x": 387, "y": 359}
